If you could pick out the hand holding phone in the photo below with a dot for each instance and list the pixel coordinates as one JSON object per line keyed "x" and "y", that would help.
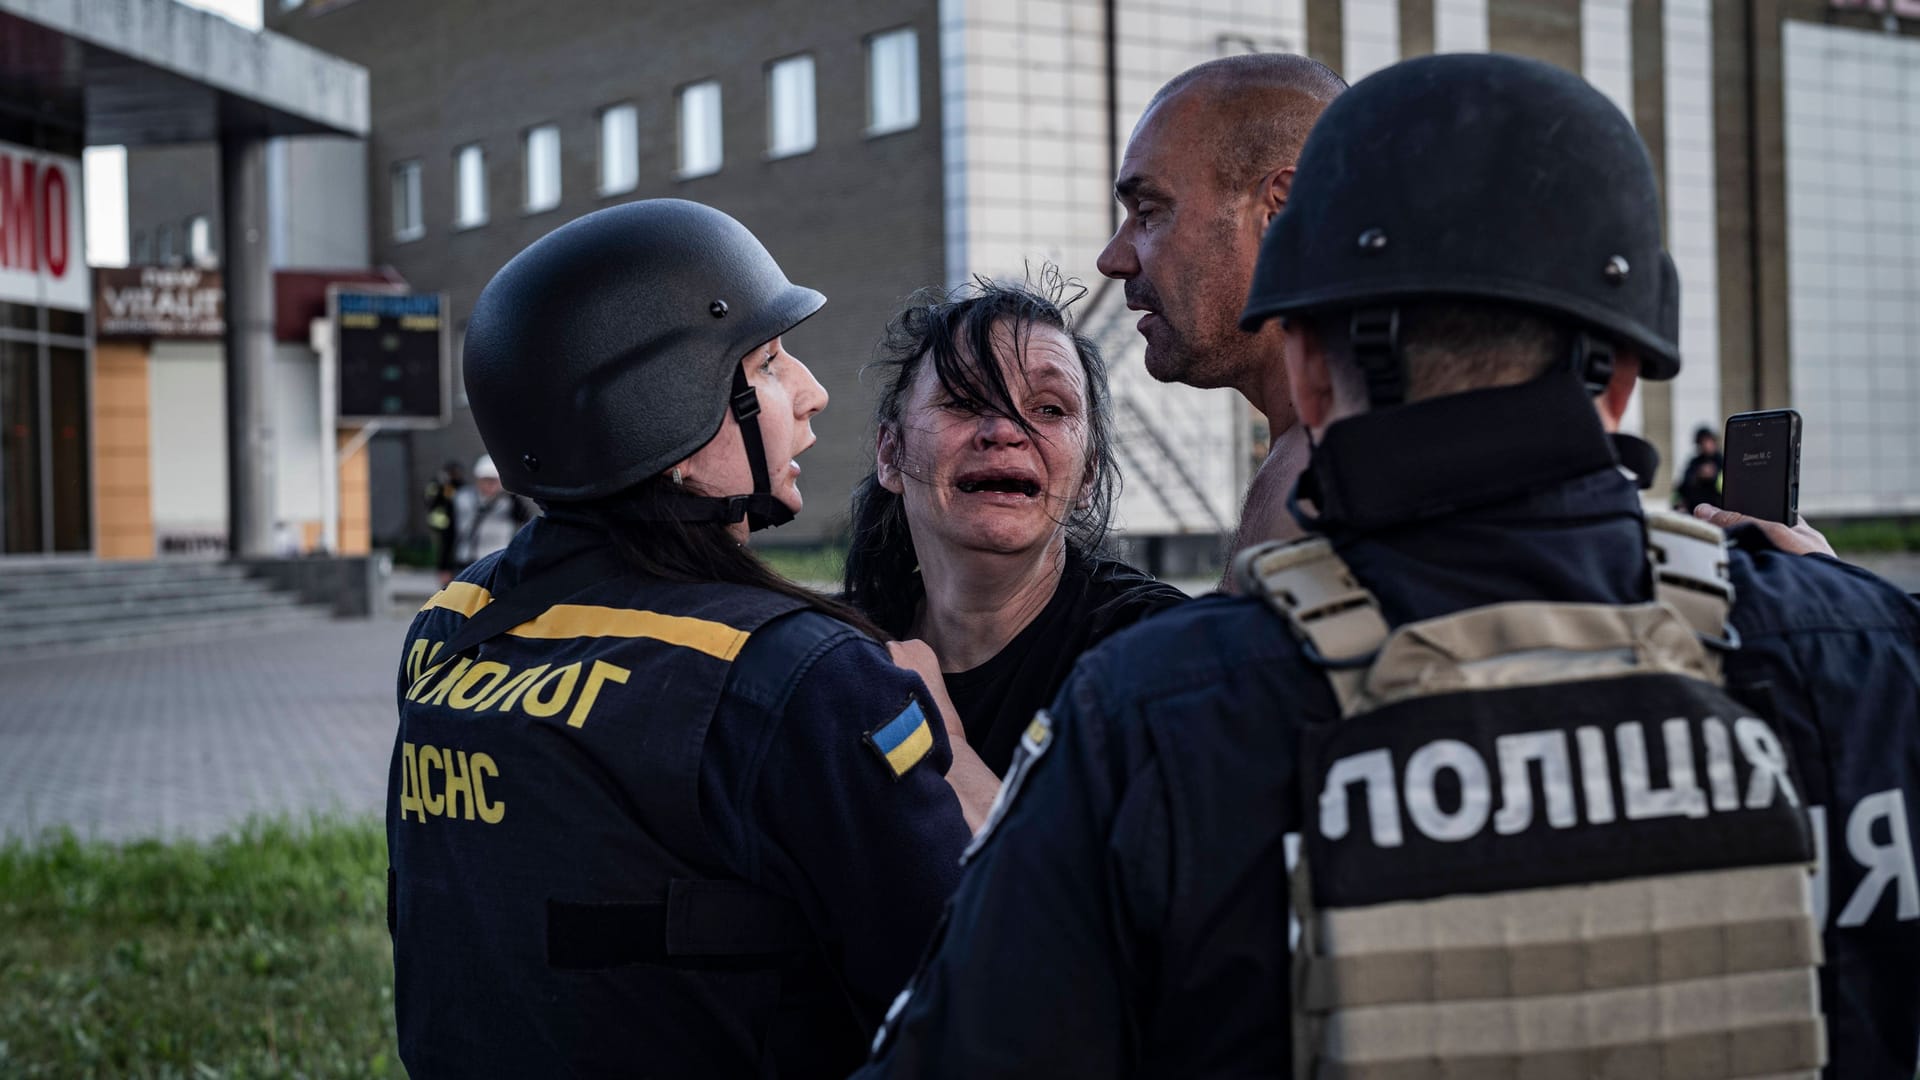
{"x": 1801, "y": 539}
{"x": 1762, "y": 474}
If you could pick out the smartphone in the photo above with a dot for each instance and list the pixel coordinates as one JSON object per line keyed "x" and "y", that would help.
{"x": 1762, "y": 474}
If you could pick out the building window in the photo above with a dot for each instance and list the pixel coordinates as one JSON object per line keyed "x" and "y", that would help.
{"x": 407, "y": 222}
{"x": 164, "y": 253}
{"x": 142, "y": 248}
{"x": 893, "y": 81}
{"x": 199, "y": 241}
{"x": 470, "y": 187}
{"x": 619, "y": 149}
{"x": 790, "y": 121}
{"x": 700, "y": 129}
{"x": 543, "y": 168}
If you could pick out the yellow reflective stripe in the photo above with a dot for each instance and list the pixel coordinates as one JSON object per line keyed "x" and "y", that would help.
{"x": 911, "y": 750}
{"x": 461, "y": 596}
{"x": 581, "y": 620}
{"x": 717, "y": 640}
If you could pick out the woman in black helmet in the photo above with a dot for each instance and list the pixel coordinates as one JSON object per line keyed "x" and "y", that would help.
{"x": 653, "y": 810}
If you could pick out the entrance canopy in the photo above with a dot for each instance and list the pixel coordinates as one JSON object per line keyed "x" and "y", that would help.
{"x": 140, "y": 72}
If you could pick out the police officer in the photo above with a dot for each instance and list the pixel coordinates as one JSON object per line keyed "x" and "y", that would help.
{"x": 653, "y": 810}
{"x": 1470, "y": 276}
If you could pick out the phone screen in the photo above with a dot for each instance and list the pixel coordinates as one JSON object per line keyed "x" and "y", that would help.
{"x": 1763, "y": 465}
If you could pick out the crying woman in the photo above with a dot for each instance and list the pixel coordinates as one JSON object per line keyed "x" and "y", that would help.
{"x": 980, "y": 529}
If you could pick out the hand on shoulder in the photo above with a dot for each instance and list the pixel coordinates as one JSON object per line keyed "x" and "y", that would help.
{"x": 972, "y": 781}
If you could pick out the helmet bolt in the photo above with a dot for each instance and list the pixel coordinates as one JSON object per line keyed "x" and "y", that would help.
{"x": 718, "y": 308}
{"x": 1373, "y": 240}
{"x": 532, "y": 463}
{"x": 1616, "y": 270}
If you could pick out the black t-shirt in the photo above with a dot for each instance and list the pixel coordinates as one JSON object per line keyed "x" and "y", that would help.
{"x": 1096, "y": 598}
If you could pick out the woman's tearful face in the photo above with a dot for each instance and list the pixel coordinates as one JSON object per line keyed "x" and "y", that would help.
{"x": 971, "y": 475}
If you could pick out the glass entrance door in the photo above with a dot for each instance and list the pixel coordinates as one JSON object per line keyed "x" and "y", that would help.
{"x": 21, "y": 505}
{"x": 69, "y": 448}
{"x": 46, "y": 436}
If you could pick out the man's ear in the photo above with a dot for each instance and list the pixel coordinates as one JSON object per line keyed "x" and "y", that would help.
{"x": 1271, "y": 196}
{"x": 1612, "y": 401}
{"x": 885, "y": 460}
{"x": 1308, "y": 376}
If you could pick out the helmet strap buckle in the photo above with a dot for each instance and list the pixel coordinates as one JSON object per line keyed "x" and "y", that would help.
{"x": 1373, "y": 337}
{"x": 1592, "y": 362}
{"x": 760, "y": 509}
{"x": 745, "y": 401}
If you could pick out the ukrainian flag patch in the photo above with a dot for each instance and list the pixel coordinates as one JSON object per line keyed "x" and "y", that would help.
{"x": 902, "y": 741}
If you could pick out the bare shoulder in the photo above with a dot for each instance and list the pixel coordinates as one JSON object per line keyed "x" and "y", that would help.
{"x": 1265, "y": 516}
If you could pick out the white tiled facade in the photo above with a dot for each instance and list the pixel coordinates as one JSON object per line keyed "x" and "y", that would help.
{"x": 1459, "y": 26}
{"x": 1369, "y": 36}
{"x": 1853, "y": 265}
{"x": 1692, "y": 216}
{"x": 1028, "y": 180}
{"x": 1606, "y": 60}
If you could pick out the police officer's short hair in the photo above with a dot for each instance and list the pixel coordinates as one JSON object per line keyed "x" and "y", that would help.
{"x": 1451, "y": 346}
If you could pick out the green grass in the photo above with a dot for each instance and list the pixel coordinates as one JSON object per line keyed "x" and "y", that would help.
{"x": 808, "y": 565}
{"x": 262, "y": 954}
{"x": 1871, "y": 535}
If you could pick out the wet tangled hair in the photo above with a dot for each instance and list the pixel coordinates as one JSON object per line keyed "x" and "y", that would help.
{"x": 946, "y": 328}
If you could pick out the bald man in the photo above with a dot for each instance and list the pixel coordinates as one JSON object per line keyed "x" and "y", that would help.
{"x": 1209, "y": 165}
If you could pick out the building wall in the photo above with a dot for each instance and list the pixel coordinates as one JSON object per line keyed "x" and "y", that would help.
{"x": 122, "y": 469}
{"x": 317, "y": 204}
{"x": 1030, "y": 154}
{"x": 187, "y": 398}
{"x": 189, "y": 446}
{"x": 167, "y": 186}
{"x": 356, "y": 503}
{"x": 1693, "y": 218}
{"x": 1853, "y": 227}
{"x": 296, "y": 424}
{"x": 858, "y": 217}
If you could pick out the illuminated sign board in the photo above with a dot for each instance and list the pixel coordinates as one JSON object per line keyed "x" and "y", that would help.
{"x": 392, "y": 350}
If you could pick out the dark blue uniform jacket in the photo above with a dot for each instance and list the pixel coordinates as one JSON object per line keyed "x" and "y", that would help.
{"x": 1129, "y": 916}
{"x": 650, "y": 832}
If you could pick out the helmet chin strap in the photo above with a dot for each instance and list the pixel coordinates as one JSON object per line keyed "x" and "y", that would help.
{"x": 760, "y": 510}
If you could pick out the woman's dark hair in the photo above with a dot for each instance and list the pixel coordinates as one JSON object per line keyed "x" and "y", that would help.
{"x": 694, "y": 552}
{"x": 946, "y": 328}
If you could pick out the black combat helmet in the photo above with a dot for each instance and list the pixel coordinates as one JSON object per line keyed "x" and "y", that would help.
{"x": 1475, "y": 177}
{"x": 610, "y": 349}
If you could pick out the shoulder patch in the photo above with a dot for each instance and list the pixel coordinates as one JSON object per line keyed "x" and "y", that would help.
{"x": 1033, "y": 742}
{"x": 903, "y": 741}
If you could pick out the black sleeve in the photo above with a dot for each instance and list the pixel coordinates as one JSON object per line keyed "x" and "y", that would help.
{"x": 1037, "y": 972}
{"x": 874, "y": 853}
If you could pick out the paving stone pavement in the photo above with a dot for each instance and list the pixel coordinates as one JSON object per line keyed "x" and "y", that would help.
{"x": 192, "y": 739}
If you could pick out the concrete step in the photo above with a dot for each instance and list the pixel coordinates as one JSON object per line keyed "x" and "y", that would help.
{"x": 113, "y": 596}
{"x": 16, "y": 580}
{"x": 189, "y": 606}
{"x": 101, "y": 636}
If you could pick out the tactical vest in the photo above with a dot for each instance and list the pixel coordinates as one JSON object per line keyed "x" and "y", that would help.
{"x": 1542, "y": 841}
{"x": 556, "y": 904}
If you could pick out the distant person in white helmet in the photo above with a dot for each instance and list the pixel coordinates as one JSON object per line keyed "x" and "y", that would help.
{"x": 486, "y": 514}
